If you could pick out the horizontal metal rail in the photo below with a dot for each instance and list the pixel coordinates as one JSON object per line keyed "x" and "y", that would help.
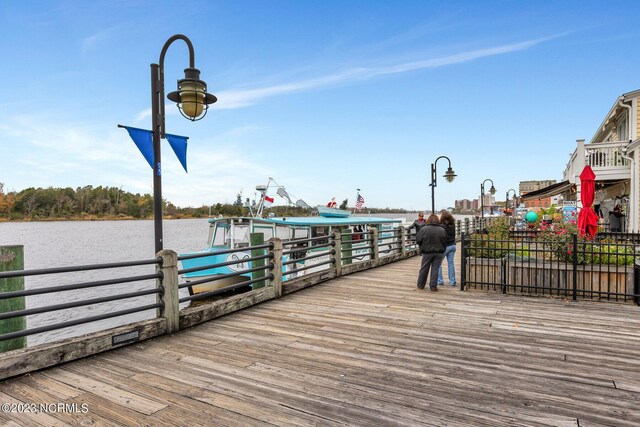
{"x": 214, "y": 277}
{"x": 55, "y": 307}
{"x": 330, "y": 244}
{"x": 370, "y": 240}
{"x": 386, "y": 251}
{"x": 293, "y": 261}
{"x": 225, "y": 289}
{"x": 223, "y": 264}
{"x": 77, "y": 268}
{"x": 356, "y": 256}
{"x": 287, "y": 273}
{"x": 226, "y": 251}
{"x": 76, "y": 322}
{"x": 310, "y": 239}
{"x": 83, "y": 285}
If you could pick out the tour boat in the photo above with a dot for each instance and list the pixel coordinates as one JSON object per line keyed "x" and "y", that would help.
{"x": 234, "y": 233}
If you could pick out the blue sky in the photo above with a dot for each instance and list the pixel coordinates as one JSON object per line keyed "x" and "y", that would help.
{"x": 325, "y": 97}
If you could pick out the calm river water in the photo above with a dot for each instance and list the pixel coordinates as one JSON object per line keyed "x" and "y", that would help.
{"x": 73, "y": 243}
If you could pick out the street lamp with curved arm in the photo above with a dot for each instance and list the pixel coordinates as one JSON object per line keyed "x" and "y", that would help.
{"x": 506, "y": 198}
{"x": 449, "y": 175}
{"x": 492, "y": 190}
{"x": 193, "y": 101}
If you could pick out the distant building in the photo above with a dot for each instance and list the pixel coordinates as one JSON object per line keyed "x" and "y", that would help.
{"x": 463, "y": 205}
{"x": 529, "y": 186}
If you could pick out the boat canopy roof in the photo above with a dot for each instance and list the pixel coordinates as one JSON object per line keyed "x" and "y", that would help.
{"x": 315, "y": 220}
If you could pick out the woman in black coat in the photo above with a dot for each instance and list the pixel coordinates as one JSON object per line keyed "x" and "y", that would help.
{"x": 431, "y": 239}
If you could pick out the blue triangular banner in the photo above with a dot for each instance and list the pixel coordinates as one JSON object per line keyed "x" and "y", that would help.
{"x": 144, "y": 141}
{"x": 179, "y": 145}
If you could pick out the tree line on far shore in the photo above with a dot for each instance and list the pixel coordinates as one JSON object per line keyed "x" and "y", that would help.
{"x": 111, "y": 203}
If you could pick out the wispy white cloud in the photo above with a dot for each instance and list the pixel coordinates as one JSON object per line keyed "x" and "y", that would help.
{"x": 90, "y": 42}
{"x": 240, "y": 98}
{"x": 233, "y": 99}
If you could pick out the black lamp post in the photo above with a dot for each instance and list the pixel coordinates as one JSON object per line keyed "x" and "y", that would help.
{"x": 492, "y": 190}
{"x": 506, "y": 198}
{"x": 193, "y": 101}
{"x": 449, "y": 175}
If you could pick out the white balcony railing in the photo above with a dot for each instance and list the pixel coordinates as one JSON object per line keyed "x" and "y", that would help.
{"x": 607, "y": 159}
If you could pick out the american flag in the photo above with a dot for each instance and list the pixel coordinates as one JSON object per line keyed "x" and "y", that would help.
{"x": 359, "y": 201}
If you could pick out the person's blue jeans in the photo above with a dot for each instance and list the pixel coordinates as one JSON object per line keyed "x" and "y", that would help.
{"x": 449, "y": 254}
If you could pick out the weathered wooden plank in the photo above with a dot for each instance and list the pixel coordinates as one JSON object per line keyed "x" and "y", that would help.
{"x": 366, "y": 349}
{"x": 113, "y": 394}
{"x": 17, "y": 362}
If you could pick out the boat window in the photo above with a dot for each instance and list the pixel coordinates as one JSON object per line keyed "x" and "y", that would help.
{"x": 284, "y": 232}
{"x": 220, "y": 234}
{"x": 301, "y": 233}
{"x": 267, "y": 230}
{"x": 319, "y": 232}
{"x": 241, "y": 236}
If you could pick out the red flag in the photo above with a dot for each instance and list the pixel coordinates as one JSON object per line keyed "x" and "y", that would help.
{"x": 268, "y": 201}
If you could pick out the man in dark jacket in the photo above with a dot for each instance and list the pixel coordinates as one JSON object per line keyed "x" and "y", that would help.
{"x": 418, "y": 223}
{"x": 432, "y": 240}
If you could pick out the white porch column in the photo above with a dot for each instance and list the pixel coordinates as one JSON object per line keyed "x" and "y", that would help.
{"x": 579, "y": 166}
{"x": 634, "y": 208}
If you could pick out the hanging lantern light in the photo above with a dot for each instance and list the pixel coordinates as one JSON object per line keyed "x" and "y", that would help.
{"x": 450, "y": 175}
{"x": 192, "y": 97}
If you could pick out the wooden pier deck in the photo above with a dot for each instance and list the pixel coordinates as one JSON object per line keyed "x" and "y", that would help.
{"x": 363, "y": 349}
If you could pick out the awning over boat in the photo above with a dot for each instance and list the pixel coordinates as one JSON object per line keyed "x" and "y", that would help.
{"x": 548, "y": 191}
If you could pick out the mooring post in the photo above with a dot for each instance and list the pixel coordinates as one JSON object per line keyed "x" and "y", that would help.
{"x": 403, "y": 242}
{"x": 376, "y": 246}
{"x": 11, "y": 259}
{"x": 257, "y": 239}
{"x": 169, "y": 281}
{"x": 337, "y": 256}
{"x": 276, "y": 266}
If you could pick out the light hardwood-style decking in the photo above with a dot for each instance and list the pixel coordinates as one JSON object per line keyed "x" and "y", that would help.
{"x": 364, "y": 349}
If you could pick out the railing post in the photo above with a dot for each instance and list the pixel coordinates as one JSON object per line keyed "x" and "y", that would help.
{"x": 403, "y": 242}
{"x": 636, "y": 282}
{"x": 463, "y": 260}
{"x": 466, "y": 226}
{"x": 503, "y": 275}
{"x": 169, "y": 281}
{"x": 337, "y": 247}
{"x": 575, "y": 266}
{"x": 375, "y": 245}
{"x": 276, "y": 265}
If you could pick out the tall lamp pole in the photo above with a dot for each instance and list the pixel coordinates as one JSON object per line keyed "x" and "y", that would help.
{"x": 193, "y": 101}
{"x": 492, "y": 190}
{"x": 449, "y": 175}
{"x": 506, "y": 198}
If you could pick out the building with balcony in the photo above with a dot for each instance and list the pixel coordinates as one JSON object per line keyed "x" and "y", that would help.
{"x": 614, "y": 155}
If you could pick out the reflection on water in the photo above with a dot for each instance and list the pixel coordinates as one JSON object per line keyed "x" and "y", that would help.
{"x": 72, "y": 243}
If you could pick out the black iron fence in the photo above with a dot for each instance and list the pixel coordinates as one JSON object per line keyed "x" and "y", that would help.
{"x": 562, "y": 266}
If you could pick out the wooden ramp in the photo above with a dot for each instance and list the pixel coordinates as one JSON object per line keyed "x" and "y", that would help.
{"x": 366, "y": 349}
